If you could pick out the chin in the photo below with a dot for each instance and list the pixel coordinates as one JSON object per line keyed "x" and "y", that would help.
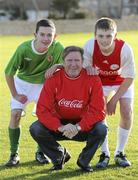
{"x": 105, "y": 48}
{"x": 74, "y": 75}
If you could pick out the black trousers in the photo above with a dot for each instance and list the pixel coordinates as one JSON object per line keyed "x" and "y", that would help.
{"x": 47, "y": 140}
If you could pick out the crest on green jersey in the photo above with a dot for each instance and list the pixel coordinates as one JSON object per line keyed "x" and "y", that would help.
{"x": 49, "y": 58}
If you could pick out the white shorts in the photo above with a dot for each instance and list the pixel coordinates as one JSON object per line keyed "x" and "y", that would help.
{"x": 113, "y": 89}
{"x": 32, "y": 92}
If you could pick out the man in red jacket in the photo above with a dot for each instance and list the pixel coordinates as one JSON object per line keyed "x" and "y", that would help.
{"x": 70, "y": 107}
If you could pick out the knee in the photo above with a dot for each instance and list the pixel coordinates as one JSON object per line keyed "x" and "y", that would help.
{"x": 15, "y": 118}
{"x": 36, "y": 129}
{"x": 16, "y": 114}
{"x": 126, "y": 112}
{"x": 101, "y": 130}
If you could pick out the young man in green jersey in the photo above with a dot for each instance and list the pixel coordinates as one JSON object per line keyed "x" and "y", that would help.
{"x": 30, "y": 61}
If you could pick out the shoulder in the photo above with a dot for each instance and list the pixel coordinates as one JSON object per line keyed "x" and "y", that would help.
{"x": 57, "y": 45}
{"x": 126, "y": 49}
{"x": 57, "y": 74}
{"x": 89, "y": 47}
{"x": 126, "y": 46}
{"x": 89, "y": 43}
{"x": 24, "y": 45}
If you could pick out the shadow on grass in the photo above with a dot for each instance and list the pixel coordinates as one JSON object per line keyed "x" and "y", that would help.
{"x": 110, "y": 166}
{"x": 47, "y": 174}
{"x": 25, "y": 164}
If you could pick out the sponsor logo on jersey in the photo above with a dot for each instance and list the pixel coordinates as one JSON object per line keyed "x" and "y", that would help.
{"x": 27, "y": 59}
{"x": 71, "y": 104}
{"x": 114, "y": 66}
{"x": 112, "y": 72}
{"x": 108, "y": 73}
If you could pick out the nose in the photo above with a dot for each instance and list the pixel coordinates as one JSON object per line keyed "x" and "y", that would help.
{"x": 46, "y": 38}
{"x": 73, "y": 63}
{"x": 104, "y": 39}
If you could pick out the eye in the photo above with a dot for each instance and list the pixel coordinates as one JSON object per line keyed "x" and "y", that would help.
{"x": 77, "y": 60}
{"x": 69, "y": 60}
{"x": 42, "y": 34}
{"x": 109, "y": 36}
{"x": 100, "y": 36}
{"x": 49, "y": 35}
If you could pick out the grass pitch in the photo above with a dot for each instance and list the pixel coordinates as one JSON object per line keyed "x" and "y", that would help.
{"x": 28, "y": 168}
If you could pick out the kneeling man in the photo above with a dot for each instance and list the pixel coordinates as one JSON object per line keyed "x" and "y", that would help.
{"x": 70, "y": 107}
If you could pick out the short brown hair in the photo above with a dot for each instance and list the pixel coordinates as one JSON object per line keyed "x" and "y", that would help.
{"x": 45, "y": 23}
{"x": 105, "y": 23}
{"x": 69, "y": 49}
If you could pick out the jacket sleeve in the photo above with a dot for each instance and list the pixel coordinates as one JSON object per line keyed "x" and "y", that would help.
{"x": 96, "y": 106}
{"x": 45, "y": 106}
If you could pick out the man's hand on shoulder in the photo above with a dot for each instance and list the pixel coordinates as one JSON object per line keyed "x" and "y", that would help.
{"x": 92, "y": 70}
{"x": 49, "y": 73}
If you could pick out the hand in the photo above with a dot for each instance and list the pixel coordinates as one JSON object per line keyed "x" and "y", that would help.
{"x": 49, "y": 73}
{"x": 70, "y": 131}
{"x": 111, "y": 106}
{"x": 92, "y": 70}
{"x": 21, "y": 98}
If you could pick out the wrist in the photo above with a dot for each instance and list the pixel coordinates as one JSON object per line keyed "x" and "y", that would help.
{"x": 14, "y": 95}
{"x": 60, "y": 129}
{"x": 78, "y": 127}
{"x": 115, "y": 98}
{"x": 59, "y": 66}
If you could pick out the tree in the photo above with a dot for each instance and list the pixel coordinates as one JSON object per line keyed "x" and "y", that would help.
{"x": 64, "y": 6}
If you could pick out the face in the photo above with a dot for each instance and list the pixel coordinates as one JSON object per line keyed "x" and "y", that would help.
{"x": 44, "y": 37}
{"x": 105, "y": 39}
{"x": 73, "y": 64}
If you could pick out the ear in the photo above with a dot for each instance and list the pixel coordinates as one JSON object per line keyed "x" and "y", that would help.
{"x": 115, "y": 35}
{"x": 35, "y": 34}
{"x": 55, "y": 36}
{"x": 95, "y": 36}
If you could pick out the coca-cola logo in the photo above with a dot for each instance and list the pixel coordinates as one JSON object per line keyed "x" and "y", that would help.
{"x": 71, "y": 104}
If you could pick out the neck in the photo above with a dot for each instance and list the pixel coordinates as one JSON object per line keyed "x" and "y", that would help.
{"x": 72, "y": 76}
{"x": 108, "y": 51}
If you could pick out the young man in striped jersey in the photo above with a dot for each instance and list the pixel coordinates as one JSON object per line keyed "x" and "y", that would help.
{"x": 112, "y": 59}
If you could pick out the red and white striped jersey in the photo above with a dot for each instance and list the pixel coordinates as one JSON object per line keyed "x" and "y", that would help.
{"x": 109, "y": 65}
{"x": 113, "y": 68}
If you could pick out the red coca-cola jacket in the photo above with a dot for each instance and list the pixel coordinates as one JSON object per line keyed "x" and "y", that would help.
{"x": 77, "y": 100}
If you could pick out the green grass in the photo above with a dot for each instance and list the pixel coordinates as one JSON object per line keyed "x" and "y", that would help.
{"x": 29, "y": 169}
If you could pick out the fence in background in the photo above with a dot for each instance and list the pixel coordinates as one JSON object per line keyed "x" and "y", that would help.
{"x": 65, "y": 26}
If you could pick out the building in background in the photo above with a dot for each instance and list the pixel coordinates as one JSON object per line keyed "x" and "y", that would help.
{"x": 30, "y": 10}
{"x": 33, "y": 10}
{"x": 130, "y": 7}
{"x": 110, "y": 8}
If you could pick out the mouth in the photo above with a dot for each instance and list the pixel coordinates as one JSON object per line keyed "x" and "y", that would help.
{"x": 105, "y": 45}
{"x": 74, "y": 69}
{"x": 45, "y": 43}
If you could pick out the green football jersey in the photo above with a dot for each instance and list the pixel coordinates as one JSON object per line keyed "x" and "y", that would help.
{"x": 30, "y": 65}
